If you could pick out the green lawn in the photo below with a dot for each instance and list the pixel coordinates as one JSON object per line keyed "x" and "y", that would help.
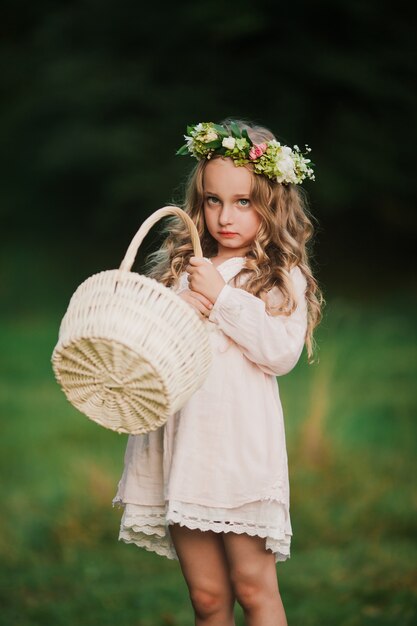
{"x": 351, "y": 434}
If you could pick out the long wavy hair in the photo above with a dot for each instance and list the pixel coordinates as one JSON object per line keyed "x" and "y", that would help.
{"x": 281, "y": 242}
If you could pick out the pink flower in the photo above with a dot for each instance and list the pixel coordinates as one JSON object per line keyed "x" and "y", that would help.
{"x": 257, "y": 150}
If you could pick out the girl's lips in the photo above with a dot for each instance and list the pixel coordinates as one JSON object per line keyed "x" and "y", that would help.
{"x": 227, "y": 233}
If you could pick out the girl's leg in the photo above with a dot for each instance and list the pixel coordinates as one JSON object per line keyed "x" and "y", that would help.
{"x": 254, "y": 580}
{"x": 205, "y": 569}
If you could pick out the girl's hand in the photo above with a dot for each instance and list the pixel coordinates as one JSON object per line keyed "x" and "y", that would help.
{"x": 204, "y": 278}
{"x": 199, "y": 303}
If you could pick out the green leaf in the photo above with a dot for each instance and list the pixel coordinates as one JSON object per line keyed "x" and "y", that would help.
{"x": 190, "y": 129}
{"x": 220, "y": 130}
{"x": 235, "y": 130}
{"x": 213, "y": 144}
{"x": 246, "y": 136}
{"x": 182, "y": 151}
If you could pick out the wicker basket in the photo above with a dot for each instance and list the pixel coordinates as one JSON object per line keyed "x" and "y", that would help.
{"x": 130, "y": 351}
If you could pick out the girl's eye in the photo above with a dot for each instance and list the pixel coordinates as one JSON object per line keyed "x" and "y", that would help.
{"x": 244, "y": 202}
{"x": 212, "y": 200}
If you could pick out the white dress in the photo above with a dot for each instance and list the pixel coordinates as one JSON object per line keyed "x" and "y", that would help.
{"x": 220, "y": 463}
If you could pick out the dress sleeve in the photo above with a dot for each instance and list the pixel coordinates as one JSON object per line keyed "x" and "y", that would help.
{"x": 274, "y": 343}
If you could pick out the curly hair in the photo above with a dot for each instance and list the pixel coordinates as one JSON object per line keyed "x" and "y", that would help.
{"x": 281, "y": 242}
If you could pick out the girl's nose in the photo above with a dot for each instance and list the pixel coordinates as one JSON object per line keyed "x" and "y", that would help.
{"x": 225, "y": 216}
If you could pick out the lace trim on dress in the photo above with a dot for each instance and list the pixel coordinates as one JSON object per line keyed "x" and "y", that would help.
{"x": 147, "y": 527}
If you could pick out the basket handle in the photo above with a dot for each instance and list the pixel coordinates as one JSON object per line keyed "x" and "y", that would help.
{"x": 132, "y": 250}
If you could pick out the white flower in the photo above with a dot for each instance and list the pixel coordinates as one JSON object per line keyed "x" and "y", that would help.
{"x": 210, "y": 135}
{"x": 229, "y": 143}
{"x": 285, "y": 165}
{"x": 190, "y": 145}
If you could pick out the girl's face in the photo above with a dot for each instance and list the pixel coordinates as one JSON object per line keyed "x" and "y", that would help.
{"x": 230, "y": 216}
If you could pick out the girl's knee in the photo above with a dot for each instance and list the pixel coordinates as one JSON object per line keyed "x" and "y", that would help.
{"x": 210, "y": 602}
{"x": 253, "y": 592}
{"x": 249, "y": 595}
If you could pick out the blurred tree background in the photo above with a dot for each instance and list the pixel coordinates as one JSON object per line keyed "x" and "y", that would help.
{"x": 95, "y": 98}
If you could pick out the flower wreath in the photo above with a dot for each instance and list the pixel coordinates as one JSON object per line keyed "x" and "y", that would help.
{"x": 281, "y": 164}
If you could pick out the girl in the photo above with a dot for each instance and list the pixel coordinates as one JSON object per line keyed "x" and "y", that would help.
{"x": 211, "y": 487}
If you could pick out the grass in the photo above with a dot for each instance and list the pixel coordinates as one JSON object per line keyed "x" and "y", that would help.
{"x": 351, "y": 434}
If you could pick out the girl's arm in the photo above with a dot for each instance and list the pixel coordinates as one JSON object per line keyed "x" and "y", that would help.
{"x": 274, "y": 343}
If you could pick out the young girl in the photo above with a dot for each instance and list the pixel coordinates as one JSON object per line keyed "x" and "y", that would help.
{"x": 211, "y": 487}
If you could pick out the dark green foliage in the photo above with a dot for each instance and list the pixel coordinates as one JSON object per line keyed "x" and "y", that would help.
{"x": 95, "y": 98}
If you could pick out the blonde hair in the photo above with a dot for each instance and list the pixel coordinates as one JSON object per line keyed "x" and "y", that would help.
{"x": 280, "y": 243}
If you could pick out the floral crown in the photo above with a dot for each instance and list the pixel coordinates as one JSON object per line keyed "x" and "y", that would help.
{"x": 281, "y": 164}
